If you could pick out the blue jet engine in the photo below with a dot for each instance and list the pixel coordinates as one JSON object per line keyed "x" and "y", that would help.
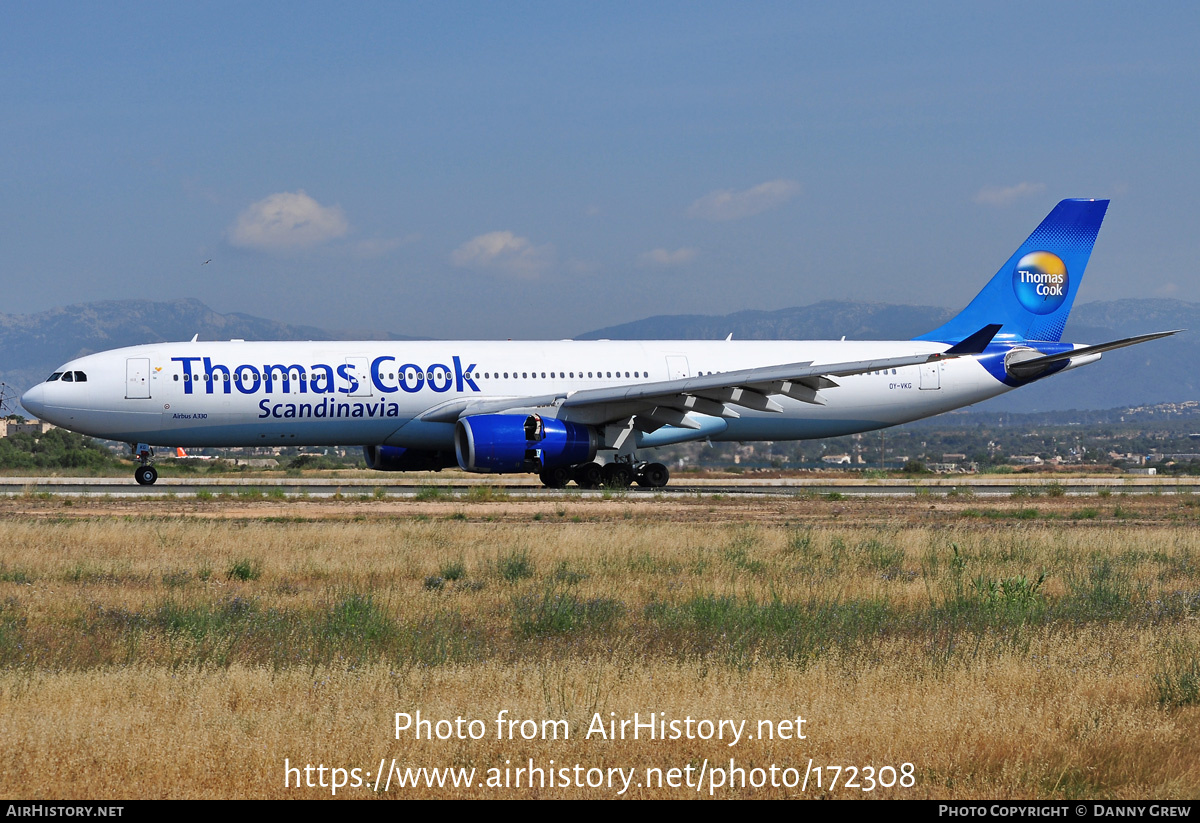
{"x": 499, "y": 443}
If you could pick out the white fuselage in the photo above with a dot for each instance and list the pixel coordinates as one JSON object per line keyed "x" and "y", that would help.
{"x": 358, "y": 393}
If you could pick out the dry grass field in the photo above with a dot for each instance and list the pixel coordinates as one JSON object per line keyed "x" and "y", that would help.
{"x": 1034, "y": 647}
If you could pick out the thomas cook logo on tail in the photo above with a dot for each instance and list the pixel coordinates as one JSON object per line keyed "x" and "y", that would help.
{"x": 1040, "y": 281}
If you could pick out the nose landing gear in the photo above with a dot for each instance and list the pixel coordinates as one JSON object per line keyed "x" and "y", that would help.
{"x": 145, "y": 474}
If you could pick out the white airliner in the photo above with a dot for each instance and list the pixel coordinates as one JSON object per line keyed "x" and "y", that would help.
{"x": 586, "y": 411}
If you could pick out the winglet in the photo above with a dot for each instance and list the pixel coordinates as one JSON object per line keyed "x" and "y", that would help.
{"x": 976, "y": 343}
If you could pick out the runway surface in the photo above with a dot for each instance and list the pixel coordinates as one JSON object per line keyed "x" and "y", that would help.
{"x": 401, "y": 486}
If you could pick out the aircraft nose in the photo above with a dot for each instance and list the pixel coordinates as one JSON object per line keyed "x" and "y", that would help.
{"x": 33, "y": 400}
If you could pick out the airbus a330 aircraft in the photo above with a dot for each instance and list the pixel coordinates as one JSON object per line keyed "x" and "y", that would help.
{"x": 575, "y": 410}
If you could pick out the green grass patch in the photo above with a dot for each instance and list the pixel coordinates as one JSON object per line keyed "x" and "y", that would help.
{"x": 1105, "y": 592}
{"x": 556, "y": 611}
{"x": 452, "y": 570}
{"x": 1002, "y": 514}
{"x": 1177, "y": 680}
{"x": 515, "y": 565}
{"x": 20, "y": 576}
{"x": 244, "y": 569}
{"x": 486, "y": 494}
{"x": 740, "y": 630}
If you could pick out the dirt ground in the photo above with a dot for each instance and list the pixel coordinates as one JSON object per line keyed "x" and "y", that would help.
{"x": 926, "y": 510}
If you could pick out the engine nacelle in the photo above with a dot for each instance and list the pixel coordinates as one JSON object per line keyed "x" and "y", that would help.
{"x": 397, "y": 459}
{"x": 501, "y": 443}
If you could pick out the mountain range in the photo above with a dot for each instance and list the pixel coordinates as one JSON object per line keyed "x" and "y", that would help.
{"x": 1158, "y": 372}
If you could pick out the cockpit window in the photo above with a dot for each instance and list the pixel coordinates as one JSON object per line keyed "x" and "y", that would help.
{"x": 80, "y": 377}
{"x": 54, "y": 377}
{"x": 68, "y": 377}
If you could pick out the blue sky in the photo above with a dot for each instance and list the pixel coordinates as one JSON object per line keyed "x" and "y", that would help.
{"x": 543, "y": 169}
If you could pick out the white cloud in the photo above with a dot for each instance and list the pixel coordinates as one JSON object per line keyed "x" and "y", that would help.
{"x": 727, "y": 204}
{"x": 504, "y": 251}
{"x": 286, "y": 221}
{"x": 1006, "y": 195}
{"x": 664, "y": 258}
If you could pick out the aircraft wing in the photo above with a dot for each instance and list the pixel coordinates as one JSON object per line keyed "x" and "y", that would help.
{"x": 722, "y": 393}
{"x": 667, "y": 402}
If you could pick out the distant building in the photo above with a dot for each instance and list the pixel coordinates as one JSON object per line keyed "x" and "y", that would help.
{"x": 953, "y": 468}
{"x": 1026, "y": 460}
{"x": 35, "y": 427}
{"x": 1128, "y": 457}
{"x": 836, "y": 459}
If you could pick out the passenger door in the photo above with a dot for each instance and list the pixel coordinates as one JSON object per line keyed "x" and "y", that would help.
{"x": 137, "y": 378}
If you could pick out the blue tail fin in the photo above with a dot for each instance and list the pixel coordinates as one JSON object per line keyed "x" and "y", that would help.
{"x": 1032, "y": 293}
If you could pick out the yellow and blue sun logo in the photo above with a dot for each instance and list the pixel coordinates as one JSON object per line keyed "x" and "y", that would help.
{"x": 1040, "y": 281}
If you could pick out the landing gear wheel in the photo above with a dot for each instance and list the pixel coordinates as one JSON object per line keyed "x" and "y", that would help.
{"x": 556, "y": 478}
{"x": 145, "y": 475}
{"x": 617, "y": 475}
{"x": 588, "y": 475}
{"x": 654, "y": 475}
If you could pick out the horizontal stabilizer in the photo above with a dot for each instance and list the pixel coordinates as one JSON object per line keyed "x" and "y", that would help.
{"x": 1036, "y": 365}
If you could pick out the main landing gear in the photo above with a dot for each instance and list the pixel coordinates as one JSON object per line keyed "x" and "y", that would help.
{"x": 145, "y": 474}
{"x": 610, "y": 475}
